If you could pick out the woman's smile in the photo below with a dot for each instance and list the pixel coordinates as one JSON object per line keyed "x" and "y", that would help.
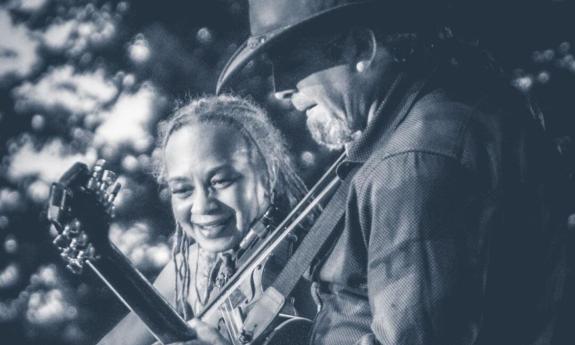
{"x": 213, "y": 228}
{"x": 216, "y": 189}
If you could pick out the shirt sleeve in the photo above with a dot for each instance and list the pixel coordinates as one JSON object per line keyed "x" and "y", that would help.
{"x": 424, "y": 276}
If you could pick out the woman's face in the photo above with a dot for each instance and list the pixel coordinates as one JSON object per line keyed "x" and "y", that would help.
{"x": 217, "y": 189}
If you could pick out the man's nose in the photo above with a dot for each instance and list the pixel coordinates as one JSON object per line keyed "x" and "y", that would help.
{"x": 283, "y": 83}
{"x": 284, "y": 95}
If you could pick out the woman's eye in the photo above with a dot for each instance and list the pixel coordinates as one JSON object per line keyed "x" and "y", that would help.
{"x": 220, "y": 183}
{"x": 182, "y": 191}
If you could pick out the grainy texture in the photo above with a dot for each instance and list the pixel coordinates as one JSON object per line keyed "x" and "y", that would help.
{"x": 451, "y": 233}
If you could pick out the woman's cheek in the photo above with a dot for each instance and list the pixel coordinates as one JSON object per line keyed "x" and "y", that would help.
{"x": 237, "y": 199}
{"x": 179, "y": 210}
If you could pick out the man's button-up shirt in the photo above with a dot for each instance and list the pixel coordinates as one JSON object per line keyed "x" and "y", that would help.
{"x": 448, "y": 236}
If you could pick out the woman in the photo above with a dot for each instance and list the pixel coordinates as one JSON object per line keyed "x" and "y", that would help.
{"x": 226, "y": 168}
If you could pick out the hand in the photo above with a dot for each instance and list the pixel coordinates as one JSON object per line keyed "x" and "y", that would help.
{"x": 207, "y": 335}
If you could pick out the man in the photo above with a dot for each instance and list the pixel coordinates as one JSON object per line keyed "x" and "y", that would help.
{"x": 452, "y": 226}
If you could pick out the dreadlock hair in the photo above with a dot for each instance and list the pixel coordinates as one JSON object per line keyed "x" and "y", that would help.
{"x": 265, "y": 144}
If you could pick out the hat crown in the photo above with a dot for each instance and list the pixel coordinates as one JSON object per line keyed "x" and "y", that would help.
{"x": 271, "y": 15}
{"x": 273, "y": 19}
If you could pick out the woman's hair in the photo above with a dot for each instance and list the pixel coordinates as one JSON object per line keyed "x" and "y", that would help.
{"x": 267, "y": 148}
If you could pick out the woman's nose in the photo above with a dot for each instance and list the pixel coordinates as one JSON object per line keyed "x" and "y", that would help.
{"x": 202, "y": 201}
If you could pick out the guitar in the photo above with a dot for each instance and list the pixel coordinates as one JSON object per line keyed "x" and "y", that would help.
{"x": 81, "y": 208}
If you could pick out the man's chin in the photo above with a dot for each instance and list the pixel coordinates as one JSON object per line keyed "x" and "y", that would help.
{"x": 328, "y": 132}
{"x": 331, "y": 138}
{"x": 330, "y": 145}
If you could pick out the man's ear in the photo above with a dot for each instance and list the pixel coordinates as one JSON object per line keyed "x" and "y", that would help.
{"x": 365, "y": 47}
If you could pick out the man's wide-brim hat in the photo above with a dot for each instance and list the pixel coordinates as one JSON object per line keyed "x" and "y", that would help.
{"x": 272, "y": 20}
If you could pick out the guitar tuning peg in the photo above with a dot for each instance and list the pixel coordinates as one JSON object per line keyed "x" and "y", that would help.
{"x": 71, "y": 230}
{"x": 61, "y": 241}
{"x": 108, "y": 180}
{"x": 111, "y": 210}
{"x": 90, "y": 252}
{"x": 76, "y": 224}
{"x": 97, "y": 171}
{"x": 69, "y": 254}
{"x": 115, "y": 190}
{"x": 99, "y": 165}
{"x": 92, "y": 183}
{"x": 79, "y": 242}
{"x": 87, "y": 254}
{"x": 108, "y": 177}
{"x": 75, "y": 266}
{"x": 57, "y": 203}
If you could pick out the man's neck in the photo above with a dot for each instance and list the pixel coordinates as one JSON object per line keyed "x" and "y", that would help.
{"x": 383, "y": 89}
{"x": 383, "y": 114}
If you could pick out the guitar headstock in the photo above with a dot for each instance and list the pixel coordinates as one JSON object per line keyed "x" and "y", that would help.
{"x": 80, "y": 209}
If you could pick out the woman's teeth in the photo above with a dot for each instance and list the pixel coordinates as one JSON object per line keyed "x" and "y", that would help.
{"x": 212, "y": 229}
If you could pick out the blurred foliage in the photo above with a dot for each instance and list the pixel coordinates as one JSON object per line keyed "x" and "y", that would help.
{"x": 86, "y": 79}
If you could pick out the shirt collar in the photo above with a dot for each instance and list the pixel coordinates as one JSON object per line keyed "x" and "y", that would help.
{"x": 393, "y": 108}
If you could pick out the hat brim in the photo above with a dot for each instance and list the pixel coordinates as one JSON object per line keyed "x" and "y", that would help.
{"x": 255, "y": 45}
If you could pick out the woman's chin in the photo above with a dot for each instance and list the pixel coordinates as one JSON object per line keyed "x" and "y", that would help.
{"x": 217, "y": 245}
{"x": 217, "y": 241}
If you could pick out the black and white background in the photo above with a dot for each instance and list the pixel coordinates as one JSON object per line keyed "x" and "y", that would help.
{"x": 84, "y": 79}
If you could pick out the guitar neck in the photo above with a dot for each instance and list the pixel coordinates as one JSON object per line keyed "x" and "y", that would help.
{"x": 136, "y": 292}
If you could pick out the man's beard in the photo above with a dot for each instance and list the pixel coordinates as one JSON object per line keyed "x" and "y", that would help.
{"x": 328, "y": 130}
